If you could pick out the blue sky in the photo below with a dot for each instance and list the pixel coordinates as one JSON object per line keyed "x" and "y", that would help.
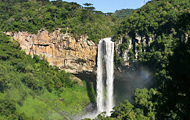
{"x": 111, "y": 5}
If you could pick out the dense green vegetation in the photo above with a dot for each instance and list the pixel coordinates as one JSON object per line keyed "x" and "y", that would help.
{"x": 32, "y": 15}
{"x": 157, "y": 17}
{"x": 32, "y": 89}
{"x": 167, "y": 22}
{"x": 151, "y": 21}
{"x": 169, "y": 99}
{"x": 121, "y": 14}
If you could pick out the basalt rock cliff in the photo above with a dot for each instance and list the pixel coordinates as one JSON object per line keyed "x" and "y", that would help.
{"x": 61, "y": 50}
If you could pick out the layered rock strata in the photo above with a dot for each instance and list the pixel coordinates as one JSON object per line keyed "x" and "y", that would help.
{"x": 61, "y": 50}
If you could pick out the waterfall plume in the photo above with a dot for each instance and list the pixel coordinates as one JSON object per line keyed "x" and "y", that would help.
{"x": 105, "y": 60}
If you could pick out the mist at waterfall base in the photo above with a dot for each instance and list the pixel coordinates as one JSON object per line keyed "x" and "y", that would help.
{"x": 125, "y": 82}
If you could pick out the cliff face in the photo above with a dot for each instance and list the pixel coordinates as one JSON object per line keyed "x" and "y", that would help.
{"x": 137, "y": 45}
{"x": 62, "y": 50}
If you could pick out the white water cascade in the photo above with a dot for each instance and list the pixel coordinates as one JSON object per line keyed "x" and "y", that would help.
{"x": 105, "y": 57}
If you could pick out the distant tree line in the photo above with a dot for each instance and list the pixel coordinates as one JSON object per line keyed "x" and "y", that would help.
{"x": 31, "y": 16}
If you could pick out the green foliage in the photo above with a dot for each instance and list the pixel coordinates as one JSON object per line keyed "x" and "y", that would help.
{"x": 178, "y": 86}
{"x": 121, "y": 14}
{"x": 167, "y": 56}
{"x": 8, "y": 110}
{"x": 131, "y": 55}
{"x": 143, "y": 108}
{"x": 118, "y": 59}
{"x": 32, "y": 15}
{"x": 154, "y": 19}
{"x": 31, "y": 89}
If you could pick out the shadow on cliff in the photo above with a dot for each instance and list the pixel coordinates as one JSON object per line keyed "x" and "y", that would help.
{"x": 90, "y": 79}
{"x": 127, "y": 79}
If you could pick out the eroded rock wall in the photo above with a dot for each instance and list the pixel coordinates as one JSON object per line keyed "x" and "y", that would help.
{"x": 62, "y": 50}
{"x": 137, "y": 44}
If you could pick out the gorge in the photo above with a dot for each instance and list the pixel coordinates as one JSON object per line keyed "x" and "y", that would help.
{"x": 57, "y": 62}
{"x": 79, "y": 56}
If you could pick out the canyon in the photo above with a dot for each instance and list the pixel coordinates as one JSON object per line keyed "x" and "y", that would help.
{"x": 74, "y": 55}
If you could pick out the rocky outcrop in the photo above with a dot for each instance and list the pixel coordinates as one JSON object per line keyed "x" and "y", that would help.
{"x": 62, "y": 50}
{"x": 137, "y": 44}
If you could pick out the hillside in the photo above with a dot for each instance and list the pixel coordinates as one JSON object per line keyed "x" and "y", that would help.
{"x": 153, "y": 39}
{"x": 32, "y": 89}
{"x": 156, "y": 37}
{"x": 32, "y": 15}
{"x": 122, "y": 14}
{"x": 149, "y": 23}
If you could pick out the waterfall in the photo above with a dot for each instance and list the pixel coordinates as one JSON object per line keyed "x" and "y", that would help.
{"x": 109, "y": 71}
{"x": 105, "y": 55}
{"x": 100, "y": 106}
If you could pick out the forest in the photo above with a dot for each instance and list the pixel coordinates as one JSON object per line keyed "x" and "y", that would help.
{"x": 122, "y": 14}
{"x": 33, "y": 15}
{"x": 32, "y": 89}
{"x": 29, "y": 87}
{"x": 167, "y": 22}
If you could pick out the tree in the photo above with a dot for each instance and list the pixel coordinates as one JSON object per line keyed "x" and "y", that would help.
{"x": 179, "y": 69}
{"x": 89, "y": 6}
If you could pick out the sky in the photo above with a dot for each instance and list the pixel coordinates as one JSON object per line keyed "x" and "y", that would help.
{"x": 111, "y": 5}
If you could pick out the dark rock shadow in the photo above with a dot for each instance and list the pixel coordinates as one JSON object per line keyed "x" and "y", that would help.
{"x": 128, "y": 79}
{"x": 90, "y": 79}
